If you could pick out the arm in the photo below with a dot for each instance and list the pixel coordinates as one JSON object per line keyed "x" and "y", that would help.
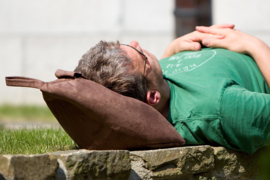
{"x": 243, "y": 43}
{"x": 191, "y": 41}
{"x": 246, "y": 118}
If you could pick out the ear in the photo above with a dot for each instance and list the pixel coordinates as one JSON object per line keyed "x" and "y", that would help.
{"x": 152, "y": 97}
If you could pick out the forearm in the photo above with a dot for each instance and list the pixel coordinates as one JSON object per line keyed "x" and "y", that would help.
{"x": 188, "y": 42}
{"x": 261, "y": 54}
{"x": 170, "y": 50}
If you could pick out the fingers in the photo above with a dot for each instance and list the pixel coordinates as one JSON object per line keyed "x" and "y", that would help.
{"x": 204, "y": 32}
{"x": 206, "y": 42}
{"x": 204, "y": 29}
{"x": 231, "y": 26}
{"x": 212, "y": 42}
{"x": 209, "y": 30}
{"x": 193, "y": 46}
{"x": 197, "y": 46}
{"x": 198, "y": 36}
{"x": 219, "y": 36}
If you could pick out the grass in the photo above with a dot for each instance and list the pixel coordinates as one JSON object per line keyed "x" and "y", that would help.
{"x": 31, "y": 141}
{"x": 34, "y": 141}
{"x": 24, "y": 113}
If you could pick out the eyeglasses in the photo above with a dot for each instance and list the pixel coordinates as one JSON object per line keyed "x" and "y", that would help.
{"x": 145, "y": 57}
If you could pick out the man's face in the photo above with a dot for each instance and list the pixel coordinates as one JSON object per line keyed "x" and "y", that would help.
{"x": 152, "y": 72}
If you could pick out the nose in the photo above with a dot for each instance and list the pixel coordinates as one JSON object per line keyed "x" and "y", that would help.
{"x": 135, "y": 44}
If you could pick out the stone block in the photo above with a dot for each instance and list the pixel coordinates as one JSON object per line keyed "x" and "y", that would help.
{"x": 28, "y": 167}
{"x": 235, "y": 165}
{"x": 172, "y": 163}
{"x": 84, "y": 164}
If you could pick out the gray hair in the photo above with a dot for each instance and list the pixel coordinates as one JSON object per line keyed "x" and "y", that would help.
{"x": 111, "y": 67}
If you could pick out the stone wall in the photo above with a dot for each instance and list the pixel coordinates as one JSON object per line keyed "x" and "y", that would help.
{"x": 196, "y": 162}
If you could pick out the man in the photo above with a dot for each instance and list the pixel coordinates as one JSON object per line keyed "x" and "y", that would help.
{"x": 212, "y": 96}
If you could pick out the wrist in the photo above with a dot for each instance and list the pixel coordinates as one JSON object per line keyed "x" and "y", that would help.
{"x": 170, "y": 50}
{"x": 254, "y": 46}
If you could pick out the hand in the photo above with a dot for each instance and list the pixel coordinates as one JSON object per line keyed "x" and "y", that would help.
{"x": 233, "y": 40}
{"x": 191, "y": 41}
{"x": 240, "y": 42}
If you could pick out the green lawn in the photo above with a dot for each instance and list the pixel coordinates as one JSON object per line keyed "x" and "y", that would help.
{"x": 24, "y": 113}
{"x": 31, "y": 141}
{"x": 34, "y": 141}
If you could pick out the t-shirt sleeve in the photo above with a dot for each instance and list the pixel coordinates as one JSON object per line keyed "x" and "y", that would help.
{"x": 245, "y": 118}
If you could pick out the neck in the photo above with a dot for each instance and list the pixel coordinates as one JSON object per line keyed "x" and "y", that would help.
{"x": 164, "y": 104}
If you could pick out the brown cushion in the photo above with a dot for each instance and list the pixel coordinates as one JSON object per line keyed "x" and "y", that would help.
{"x": 98, "y": 118}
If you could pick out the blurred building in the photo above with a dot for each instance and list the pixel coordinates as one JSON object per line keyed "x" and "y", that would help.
{"x": 38, "y": 37}
{"x": 191, "y": 13}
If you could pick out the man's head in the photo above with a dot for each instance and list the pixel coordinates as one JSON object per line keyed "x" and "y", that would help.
{"x": 109, "y": 65}
{"x": 146, "y": 63}
{"x": 123, "y": 69}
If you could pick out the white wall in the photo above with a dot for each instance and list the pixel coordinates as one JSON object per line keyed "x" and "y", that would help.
{"x": 250, "y": 16}
{"x": 38, "y": 37}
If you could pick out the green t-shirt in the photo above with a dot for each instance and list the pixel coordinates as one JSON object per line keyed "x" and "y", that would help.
{"x": 218, "y": 97}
